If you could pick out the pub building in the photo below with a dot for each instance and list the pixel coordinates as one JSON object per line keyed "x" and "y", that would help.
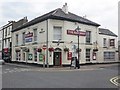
{"x": 52, "y": 39}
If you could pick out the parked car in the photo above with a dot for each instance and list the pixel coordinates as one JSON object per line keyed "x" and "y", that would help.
{"x": 2, "y": 62}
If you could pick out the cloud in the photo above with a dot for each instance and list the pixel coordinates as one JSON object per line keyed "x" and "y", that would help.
{"x": 103, "y": 12}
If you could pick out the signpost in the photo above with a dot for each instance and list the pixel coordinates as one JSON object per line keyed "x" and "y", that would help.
{"x": 44, "y": 48}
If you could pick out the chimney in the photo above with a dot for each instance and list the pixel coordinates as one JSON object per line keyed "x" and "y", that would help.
{"x": 65, "y": 8}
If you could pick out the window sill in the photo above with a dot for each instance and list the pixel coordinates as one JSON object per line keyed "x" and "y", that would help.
{"x": 22, "y": 44}
{"x": 89, "y": 44}
{"x": 34, "y": 43}
{"x": 57, "y": 41}
{"x": 104, "y": 47}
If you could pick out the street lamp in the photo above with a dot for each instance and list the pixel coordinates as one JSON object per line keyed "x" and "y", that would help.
{"x": 77, "y": 29}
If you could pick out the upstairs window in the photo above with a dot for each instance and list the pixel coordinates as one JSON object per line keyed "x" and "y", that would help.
{"x": 35, "y": 34}
{"x": 6, "y": 32}
{"x": 16, "y": 39}
{"x": 104, "y": 42}
{"x": 112, "y": 42}
{"x": 88, "y": 36}
{"x": 23, "y": 37}
{"x": 57, "y": 33}
{"x": 9, "y": 31}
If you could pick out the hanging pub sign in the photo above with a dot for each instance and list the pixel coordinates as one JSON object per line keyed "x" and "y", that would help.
{"x": 73, "y": 32}
{"x": 28, "y": 37}
{"x": 69, "y": 55}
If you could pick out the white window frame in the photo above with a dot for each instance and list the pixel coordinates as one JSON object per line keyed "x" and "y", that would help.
{"x": 35, "y": 34}
{"x": 57, "y": 33}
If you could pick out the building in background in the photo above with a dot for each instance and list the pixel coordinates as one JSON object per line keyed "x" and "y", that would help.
{"x": 6, "y": 37}
{"x": 0, "y": 44}
{"x": 107, "y": 46}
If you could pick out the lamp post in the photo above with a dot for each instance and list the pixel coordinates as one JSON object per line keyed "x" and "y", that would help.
{"x": 78, "y": 64}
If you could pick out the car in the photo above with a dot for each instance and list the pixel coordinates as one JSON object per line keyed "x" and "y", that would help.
{"x": 2, "y": 62}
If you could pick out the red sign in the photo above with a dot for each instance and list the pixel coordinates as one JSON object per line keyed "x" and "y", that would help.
{"x": 73, "y": 32}
{"x": 5, "y": 50}
{"x": 44, "y": 47}
{"x": 69, "y": 55}
{"x": 30, "y": 34}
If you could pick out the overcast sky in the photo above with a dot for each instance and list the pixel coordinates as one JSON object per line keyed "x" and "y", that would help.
{"x": 103, "y": 12}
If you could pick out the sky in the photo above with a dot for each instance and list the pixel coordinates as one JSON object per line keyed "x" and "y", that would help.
{"x": 103, "y": 12}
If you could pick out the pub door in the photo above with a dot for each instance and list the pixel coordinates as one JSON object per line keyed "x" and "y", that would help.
{"x": 57, "y": 59}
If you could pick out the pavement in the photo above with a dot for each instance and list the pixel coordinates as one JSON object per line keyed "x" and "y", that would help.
{"x": 82, "y": 67}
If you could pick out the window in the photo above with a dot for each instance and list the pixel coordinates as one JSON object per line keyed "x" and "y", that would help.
{"x": 5, "y": 43}
{"x": 6, "y": 32}
{"x": 9, "y": 30}
{"x": 23, "y": 37}
{"x": 57, "y": 33}
{"x": 104, "y": 42}
{"x": 16, "y": 39}
{"x": 87, "y": 54}
{"x": 18, "y": 56}
{"x": 35, "y": 34}
{"x": 35, "y": 54}
{"x": 109, "y": 55}
{"x": 112, "y": 42}
{"x": 9, "y": 42}
{"x": 88, "y": 36}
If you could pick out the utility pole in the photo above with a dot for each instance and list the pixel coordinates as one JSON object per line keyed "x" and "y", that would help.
{"x": 47, "y": 45}
{"x": 78, "y": 63}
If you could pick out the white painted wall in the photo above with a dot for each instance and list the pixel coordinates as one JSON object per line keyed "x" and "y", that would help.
{"x": 66, "y": 25}
{"x": 108, "y": 49}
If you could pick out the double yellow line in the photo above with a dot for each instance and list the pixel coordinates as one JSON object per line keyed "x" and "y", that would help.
{"x": 114, "y": 80}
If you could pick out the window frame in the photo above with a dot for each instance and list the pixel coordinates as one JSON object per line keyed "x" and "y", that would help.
{"x": 88, "y": 37}
{"x": 57, "y": 33}
{"x": 35, "y": 34}
{"x": 112, "y": 42}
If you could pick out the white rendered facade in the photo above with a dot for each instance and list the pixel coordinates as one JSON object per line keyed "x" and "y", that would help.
{"x": 66, "y": 41}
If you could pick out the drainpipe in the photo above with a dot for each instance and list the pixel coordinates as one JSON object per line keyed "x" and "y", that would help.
{"x": 47, "y": 44}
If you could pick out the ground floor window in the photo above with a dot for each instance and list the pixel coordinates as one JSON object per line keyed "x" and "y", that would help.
{"x": 87, "y": 54}
{"x": 18, "y": 56}
{"x": 109, "y": 55}
{"x": 35, "y": 54}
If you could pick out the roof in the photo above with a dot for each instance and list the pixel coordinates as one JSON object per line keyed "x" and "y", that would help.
{"x": 59, "y": 15}
{"x": 106, "y": 32}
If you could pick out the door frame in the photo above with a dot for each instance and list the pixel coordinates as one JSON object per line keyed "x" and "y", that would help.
{"x": 59, "y": 51}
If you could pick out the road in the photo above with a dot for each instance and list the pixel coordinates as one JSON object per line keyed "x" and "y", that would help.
{"x": 90, "y": 76}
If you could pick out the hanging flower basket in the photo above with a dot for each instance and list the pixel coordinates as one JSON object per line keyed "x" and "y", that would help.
{"x": 95, "y": 50}
{"x": 39, "y": 50}
{"x": 66, "y": 49}
{"x": 51, "y": 49}
{"x": 27, "y": 50}
{"x": 77, "y": 50}
{"x": 17, "y": 50}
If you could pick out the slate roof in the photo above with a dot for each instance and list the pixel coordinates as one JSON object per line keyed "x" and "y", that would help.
{"x": 106, "y": 32}
{"x": 59, "y": 15}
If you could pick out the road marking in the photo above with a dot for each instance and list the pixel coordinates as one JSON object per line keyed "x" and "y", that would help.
{"x": 114, "y": 80}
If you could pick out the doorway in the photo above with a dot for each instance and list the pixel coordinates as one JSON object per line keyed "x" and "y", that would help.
{"x": 57, "y": 57}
